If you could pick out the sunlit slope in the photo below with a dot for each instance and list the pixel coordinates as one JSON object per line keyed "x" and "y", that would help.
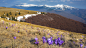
{"x": 4, "y": 10}
{"x": 28, "y": 31}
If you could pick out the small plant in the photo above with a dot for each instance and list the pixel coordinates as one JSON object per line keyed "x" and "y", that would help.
{"x": 37, "y": 42}
{"x": 15, "y": 14}
{"x": 6, "y": 27}
{"x": 81, "y": 45}
{"x": 7, "y": 14}
{"x": 44, "y": 39}
{"x": 18, "y": 31}
{"x": 50, "y": 41}
{"x": 6, "y": 23}
{"x": 85, "y": 47}
{"x": 10, "y": 13}
{"x": 2, "y": 16}
{"x": 19, "y": 13}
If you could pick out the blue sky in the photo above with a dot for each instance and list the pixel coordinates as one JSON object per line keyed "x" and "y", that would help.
{"x": 74, "y": 3}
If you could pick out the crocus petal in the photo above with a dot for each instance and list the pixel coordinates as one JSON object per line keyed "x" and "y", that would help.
{"x": 49, "y": 41}
{"x": 18, "y": 31}
{"x": 44, "y": 41}
{"x": 60, "y": 42}
{"x": 43, "y": 37}
{"x": 51, "y": 37}
{"x": 85, "y": 47}
{"x": 56, "y": 41}
{"x": 6, "y": 27}
{"x": 37, "y": 42}
{"x": 36, "y": 38}
{"x": 81, "y": 45}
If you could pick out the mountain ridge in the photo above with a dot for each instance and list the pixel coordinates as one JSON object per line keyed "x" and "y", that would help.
{"x": 79, "y": 14}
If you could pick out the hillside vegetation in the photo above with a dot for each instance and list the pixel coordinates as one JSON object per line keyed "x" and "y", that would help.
{"x": 58, "y": 22}
{"x": 13, "y": 12}
{"x": 27, "y": 33}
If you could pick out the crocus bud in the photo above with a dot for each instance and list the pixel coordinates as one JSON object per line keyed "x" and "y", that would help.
{"x": 14, "y": 37}
{"x": 6, "y": 27}
{"x": 18, "y": 31}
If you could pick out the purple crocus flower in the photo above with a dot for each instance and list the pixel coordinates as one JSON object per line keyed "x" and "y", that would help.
{"x": 57, "y": 35}
{"x": 36, "y": 38}
{"x": 44, "y": 39}
{"x": 81, "y": 45}
{"x": 56, "y": 41}
{"x": 31, "y": 27}
{"x": 73, "y": 42}
{"x": 6, "y": 27}
{"x": 14, "y": 37}
{"x": 3, "y": 22}
{"x": 18, "y": 31}
{"x": 85, "y": 47}
{"x": 51, "y": 38}
{"x": 61, "y": 36}
{"x": 37, "y": 42}
{"x": 50, "y": 41}
{"x": 48, "y": 33}
{"x": 37, "y": 28}
{"x": 60, "y": 42}
{"x": 12, "y": 25}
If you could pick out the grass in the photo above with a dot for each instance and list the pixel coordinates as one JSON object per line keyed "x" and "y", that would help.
{"x": 26, "y": 39}
{"x": 15, "y": 11}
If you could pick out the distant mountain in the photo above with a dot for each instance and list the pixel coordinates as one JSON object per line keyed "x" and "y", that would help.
{"x": 64, "y": 10}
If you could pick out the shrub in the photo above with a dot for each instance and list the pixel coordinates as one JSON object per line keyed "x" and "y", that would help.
{"x": 10, "y": 13}
{"x": 2, "y": 16}
{"x": 15, "y": 14}
{"x": 19, "y": 13}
